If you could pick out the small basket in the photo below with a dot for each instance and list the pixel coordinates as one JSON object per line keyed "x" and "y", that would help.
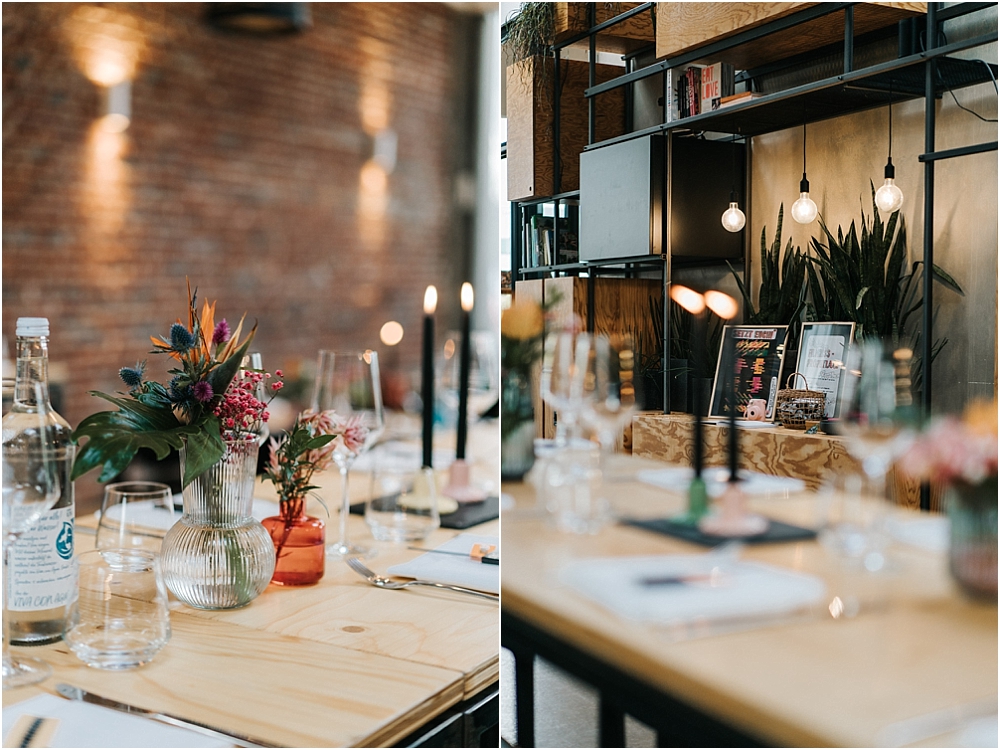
{"x": 793, "y": 407}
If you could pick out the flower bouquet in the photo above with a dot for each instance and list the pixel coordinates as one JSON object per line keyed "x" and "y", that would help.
{"x": 961, "y": 455}
{"x": 217, "y": 556}
{"x": 522, "y": 328}
{"x": 299, "y": 539}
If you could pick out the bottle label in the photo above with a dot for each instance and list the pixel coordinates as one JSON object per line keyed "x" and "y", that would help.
{"x": 42, "y": 573}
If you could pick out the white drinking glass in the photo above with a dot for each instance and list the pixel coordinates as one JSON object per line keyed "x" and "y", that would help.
{"x": 348, "y": 383}
{"x": 403, "y": 503}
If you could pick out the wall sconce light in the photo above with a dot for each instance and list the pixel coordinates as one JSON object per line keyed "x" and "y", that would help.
{"x": 260, "y": 18}
{"x": 118, "y": 107}
{"x": 384, "y": 149}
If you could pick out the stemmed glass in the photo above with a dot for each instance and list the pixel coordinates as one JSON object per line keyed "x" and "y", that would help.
{"x": 31, "y": 486}
{"x": 564, "y": 366}
{"x": 877, "y": 422}
{"x": 612, "y": 388}
{"x": 348, "y": 383}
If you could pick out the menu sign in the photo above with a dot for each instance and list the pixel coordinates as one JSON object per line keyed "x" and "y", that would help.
{"x": 755, "y": 354}
{"x": 822, "y": 355}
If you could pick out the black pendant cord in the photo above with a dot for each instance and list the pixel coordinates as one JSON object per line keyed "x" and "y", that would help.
{"x": 803, "y": 150}
{"x": 890, "y": 120}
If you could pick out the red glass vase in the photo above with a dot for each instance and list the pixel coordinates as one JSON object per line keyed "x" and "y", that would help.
{"x": 299, "y": 545}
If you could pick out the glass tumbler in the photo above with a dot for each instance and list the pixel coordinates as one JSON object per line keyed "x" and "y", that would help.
{"x": 403, "y": 505}
{"x": 135, "y": 514}
{"x": 120, "y": 619}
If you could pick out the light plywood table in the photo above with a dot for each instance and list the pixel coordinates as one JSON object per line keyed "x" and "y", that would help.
{"x": 812, "y": 681}
{"x": 338, "y": 664}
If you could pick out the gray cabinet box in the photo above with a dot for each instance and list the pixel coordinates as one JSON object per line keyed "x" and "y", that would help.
{"x": 655, "y": 194}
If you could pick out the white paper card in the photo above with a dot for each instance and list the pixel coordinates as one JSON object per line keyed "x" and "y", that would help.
{"x": 459, "y": 570}
{"x": 716, "y": 590}
{"x": 86, "y": 725}
{"x": 678, "y": 479}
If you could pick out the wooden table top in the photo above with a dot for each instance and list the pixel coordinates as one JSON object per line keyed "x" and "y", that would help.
{"x": 808, "y": 682}
{"x": 338, "y": 664}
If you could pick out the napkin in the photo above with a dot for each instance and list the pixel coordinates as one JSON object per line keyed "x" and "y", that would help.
{"x": 86, "y": 725}
{"x": 930, "y": 533}
{"x": 460, "y": 571}
{"x": 729, "y": 589}
{"x": 679, "y": 479}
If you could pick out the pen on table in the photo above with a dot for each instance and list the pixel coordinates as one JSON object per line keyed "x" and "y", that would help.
{"x": 485, "y": 559}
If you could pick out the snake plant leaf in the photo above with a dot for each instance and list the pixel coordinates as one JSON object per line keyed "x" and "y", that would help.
{"x": 945, "y": 278}
{"x": 860, "y": 298}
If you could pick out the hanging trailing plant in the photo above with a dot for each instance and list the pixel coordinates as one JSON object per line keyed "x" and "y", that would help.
{"x": 530, "y": 30}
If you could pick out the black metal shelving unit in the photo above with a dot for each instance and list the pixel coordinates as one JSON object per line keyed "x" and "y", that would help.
{"x": 915, "y": 73}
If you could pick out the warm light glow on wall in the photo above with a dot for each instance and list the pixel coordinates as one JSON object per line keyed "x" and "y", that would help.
{"x": 375, "y": 110}
{"x": 106, "y": 43}
{"x": 106, "y": 194}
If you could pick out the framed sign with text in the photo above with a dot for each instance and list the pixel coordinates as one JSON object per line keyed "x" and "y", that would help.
{"x": 823, "y": 350}
{"x": 755, "y": 354}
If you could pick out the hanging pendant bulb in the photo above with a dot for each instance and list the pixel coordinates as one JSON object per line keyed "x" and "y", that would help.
{"x": 889, "y": 197}
{"x": 804, "y": 209}
{"x": 733, "y": 220}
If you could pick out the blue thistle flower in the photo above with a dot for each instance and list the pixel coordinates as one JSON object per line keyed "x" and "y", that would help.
{"x": 176, "y": 392}
{"x": 132, "y": 376}
{"x": 181, "y": 339}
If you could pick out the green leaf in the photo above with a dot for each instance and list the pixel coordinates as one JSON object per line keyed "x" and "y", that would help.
{"x": 223, "y": 375}
{"x": 941, "y": 275}
{"x": 204, "y": 449}
{"x": 860, "y": 297}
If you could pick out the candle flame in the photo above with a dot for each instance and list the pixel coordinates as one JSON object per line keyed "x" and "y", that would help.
{"x": 721, "y": 304}
{"x": 689, "y": 299}
{"x": 467, "y": 296}
{"x": 430, "y": 300}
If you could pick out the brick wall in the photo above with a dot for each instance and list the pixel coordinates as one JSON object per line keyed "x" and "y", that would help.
{"x": 243, "y": 168}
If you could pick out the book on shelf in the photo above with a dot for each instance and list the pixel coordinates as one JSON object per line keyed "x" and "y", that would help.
{"x": 540, "y": 241}
{"x": 717, "y": 81}
{"x": 743, "y": 96}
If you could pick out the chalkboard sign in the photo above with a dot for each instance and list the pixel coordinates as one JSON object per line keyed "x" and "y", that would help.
{"x": 755, "y": 354}
{"x": 822, "y": 354}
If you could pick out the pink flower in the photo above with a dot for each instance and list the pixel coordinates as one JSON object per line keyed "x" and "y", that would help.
{"x": 203, "y": 391}
{"x": 354, "y": 434}
{"x": 221, "y": 333}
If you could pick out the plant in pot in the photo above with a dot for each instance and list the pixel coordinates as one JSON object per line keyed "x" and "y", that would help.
{"x": 961, "y": 455}
{"x": 300, "y": 539}
{"x": 863, "y": 279}
{"x": 781, "y": 299}
{"x": 689, "y": 364}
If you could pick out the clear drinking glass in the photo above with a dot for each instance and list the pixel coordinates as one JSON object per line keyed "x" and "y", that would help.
{"x": 484, "y": 373}
{"x": 120, "y": 619}
{"x": 564, "y": 366}
{"x": 135, "y": 514}
{"x": 31, "y": 486}
{"x": 403, "y": 503}
{"x": 878, "y": 414}
{"x": 348, "y": 383}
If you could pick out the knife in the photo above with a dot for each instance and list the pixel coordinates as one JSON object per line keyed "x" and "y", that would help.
{"x": 241, "y": 740}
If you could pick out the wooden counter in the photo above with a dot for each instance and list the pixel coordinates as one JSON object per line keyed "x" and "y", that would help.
{"x": 817, "y": 682}
{"x": 815, "y": 459}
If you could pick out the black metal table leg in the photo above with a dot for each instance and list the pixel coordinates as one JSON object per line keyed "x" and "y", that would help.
{"x": 612, "y": 725}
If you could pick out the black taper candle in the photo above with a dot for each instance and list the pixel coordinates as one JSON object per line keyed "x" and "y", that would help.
{"x": 427, "y": 375}
{"x": 697, "y": 398}
{"x": 730, "y": 368}
{"x": 463, "y": 373}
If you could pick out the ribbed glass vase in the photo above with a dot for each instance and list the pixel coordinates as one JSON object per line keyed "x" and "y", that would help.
{"x": 218, "y": 556}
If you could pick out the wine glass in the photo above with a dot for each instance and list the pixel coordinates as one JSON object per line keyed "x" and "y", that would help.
{"x": 348, "y": 383}
{"x": 31, "y": 486}
{"x": 877, "y": 422}
{"x": 612, "y": 388}
{"x": 564, "y": 366}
